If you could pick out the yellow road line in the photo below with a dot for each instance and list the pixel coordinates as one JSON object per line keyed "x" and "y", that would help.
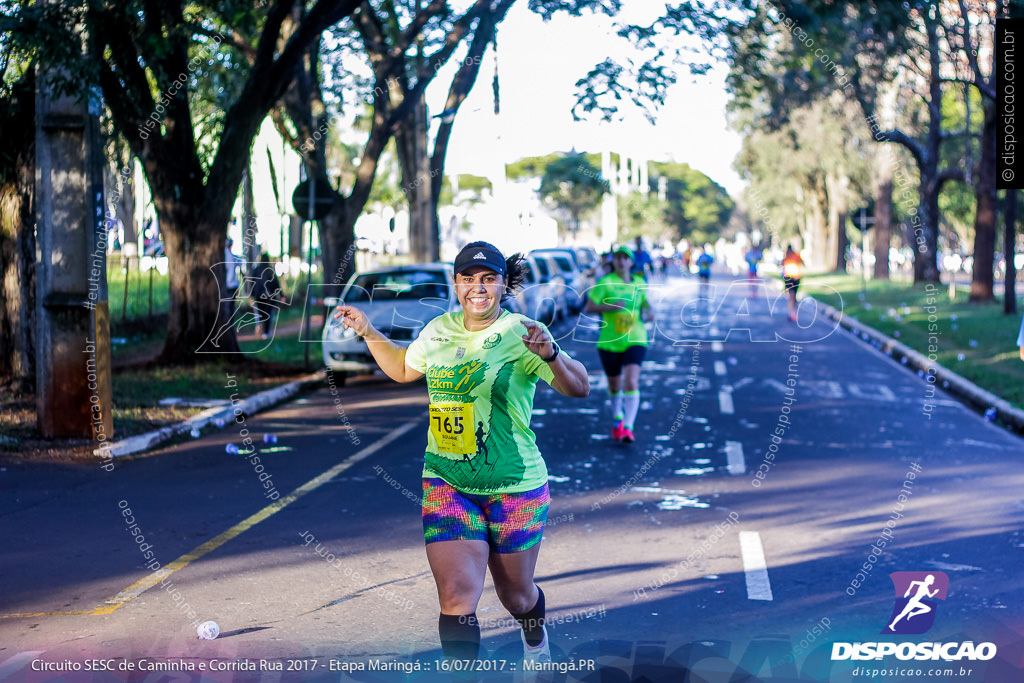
{"x": 150, "y": 580}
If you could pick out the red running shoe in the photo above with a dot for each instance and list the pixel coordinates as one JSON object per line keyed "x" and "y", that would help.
{"x": 627, "y": 435}
{"x": 617, "y": 430}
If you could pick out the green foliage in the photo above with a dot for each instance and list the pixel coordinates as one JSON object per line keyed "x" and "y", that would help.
{"x": 643, "y": 216}
{"x": 573, "y": 185}
{"x": 530, "y": 167}
{"x": 693, "y": 202}
{"x": 471, "y": 189}
{"x": 957, "y": 201}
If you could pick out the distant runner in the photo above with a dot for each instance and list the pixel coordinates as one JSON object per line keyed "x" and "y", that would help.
{"x": 792, "y": 271}
{"x": 704, "y": 262}
{"x": 621, "y": 299}
{"x": 485, "y": 490}
{"x": 1020, "y": 339}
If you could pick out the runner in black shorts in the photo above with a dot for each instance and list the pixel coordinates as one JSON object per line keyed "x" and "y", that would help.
{"x": 621, "y": 299}
{"x": 792, "y": 271}
{"x": 485, "y": 493}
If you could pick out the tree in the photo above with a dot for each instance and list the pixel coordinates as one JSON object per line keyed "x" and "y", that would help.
{"x": 17, "y": 234}
{"x": 695, "y": 206}
{"x": 970, "y": 33}
{"x": 573, "y": 185}
{"x": 859, "y": 49}
{"x": 147, "y": 60}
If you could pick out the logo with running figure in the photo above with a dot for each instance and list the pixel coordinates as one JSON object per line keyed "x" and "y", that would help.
{"x": 917, "y": 596}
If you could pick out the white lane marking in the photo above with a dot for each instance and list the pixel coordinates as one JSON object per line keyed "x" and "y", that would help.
{"x": 725, "y": 401}
{"x": 734, "y": 457}
{"x": 877, "y": 392}
{"x": 720, "y": 368}
{"x": 717, "y": 347}
{"x": 12, "y": 664}
{"x": 755, "y": 568}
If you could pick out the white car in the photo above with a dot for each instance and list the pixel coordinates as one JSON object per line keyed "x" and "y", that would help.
{"x": 398, "y": 301}
{"x": 576, "y": 281}
{"x": 537, "y": 299}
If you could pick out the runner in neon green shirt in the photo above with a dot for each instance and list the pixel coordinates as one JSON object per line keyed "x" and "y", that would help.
{"x": 485, "y": 493}
{"x": 621, "y": 299}
{"x": 481, "y": 388}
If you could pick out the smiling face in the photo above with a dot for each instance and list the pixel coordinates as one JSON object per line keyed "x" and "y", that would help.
{"x": 479, "y": 290}
{"x": 623, "y": 263}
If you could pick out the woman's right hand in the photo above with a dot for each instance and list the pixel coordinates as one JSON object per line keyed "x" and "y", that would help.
{"x": 354, "y": 319}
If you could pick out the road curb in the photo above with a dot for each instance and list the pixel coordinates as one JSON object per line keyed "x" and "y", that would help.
{"x": 948, "y": 381}
{"x": 222, "y": 414}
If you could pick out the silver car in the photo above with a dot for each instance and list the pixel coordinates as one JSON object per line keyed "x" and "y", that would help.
{"x": 551, "y": 282}
{"x": 398, "y": 301}
{"x": 538, "y": 298}
{"x": 576, "y": 280}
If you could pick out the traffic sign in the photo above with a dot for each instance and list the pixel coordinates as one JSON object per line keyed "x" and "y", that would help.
{"x": 862, "y": 219}
{"x": 322, "y": 201}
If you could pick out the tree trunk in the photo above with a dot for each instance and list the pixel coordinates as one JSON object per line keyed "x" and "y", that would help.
{"x": 982, "y": 279}
{"x": 121, "y": 188}
{"x": 337, "y": 237}
{"x": 195, "y": 259}
{"x": 836, "y": 189}
{"x": 411, "y": 143}
{"x": 1009, "y": 248}
{"x": 925, "y": 237}
{"x": 815, "y": 235}
{"x": 17, "y": 237}
{"x": 883, "y": 225}
{"x": 923, "y": 229}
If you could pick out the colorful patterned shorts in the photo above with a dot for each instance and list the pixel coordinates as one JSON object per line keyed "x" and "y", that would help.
{"x": 509, "y": 522}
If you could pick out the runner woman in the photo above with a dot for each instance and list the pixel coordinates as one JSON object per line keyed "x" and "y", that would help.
{"x": 485, "y": 491}
{"x": 621, "y": 299}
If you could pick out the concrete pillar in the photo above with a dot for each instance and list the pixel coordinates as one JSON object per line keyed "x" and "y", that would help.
{"x": 73, "y": 387}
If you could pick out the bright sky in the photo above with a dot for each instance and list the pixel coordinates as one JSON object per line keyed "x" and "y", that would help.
{"x": 539, "y": 64}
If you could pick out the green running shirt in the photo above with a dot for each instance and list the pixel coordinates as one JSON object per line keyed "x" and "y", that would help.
{"x": 621, "y": 329}
{"x": 491, "y": 375}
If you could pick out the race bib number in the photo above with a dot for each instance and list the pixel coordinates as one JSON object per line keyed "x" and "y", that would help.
{"x": 623, "y": 322}
{"x": 452, "y": 427}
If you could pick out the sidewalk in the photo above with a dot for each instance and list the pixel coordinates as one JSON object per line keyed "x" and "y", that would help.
{"x": 985, "y": 402}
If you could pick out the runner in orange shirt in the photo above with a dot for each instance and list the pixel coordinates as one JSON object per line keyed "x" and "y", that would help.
{"x": 792, "y": 271}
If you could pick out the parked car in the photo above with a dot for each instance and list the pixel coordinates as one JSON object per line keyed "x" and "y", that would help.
{"x": 398, "y": 301}
{"x": 553, "y": 283}
{"x": 588, "y": 260}
{"x": 575, "y": 279}
{"x": 538, "y": 299}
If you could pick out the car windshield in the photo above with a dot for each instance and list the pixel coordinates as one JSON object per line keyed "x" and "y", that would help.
{"x": 564, "y": 264}
{"x": 398, "y": 285}
{"x": 542, "y": 267}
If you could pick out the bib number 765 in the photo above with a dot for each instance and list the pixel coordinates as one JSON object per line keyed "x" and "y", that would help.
{"x": 449, "y": 425}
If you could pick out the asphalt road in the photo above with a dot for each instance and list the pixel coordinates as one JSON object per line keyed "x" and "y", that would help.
{"x": 724, "y": 545}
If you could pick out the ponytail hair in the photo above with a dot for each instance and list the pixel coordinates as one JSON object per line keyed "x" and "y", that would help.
{"x": 515, "y": 274}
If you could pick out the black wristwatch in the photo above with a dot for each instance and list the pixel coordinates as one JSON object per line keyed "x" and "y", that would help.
{"x": 553, "y": 355}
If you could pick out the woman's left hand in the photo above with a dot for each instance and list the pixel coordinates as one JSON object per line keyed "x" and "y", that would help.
{"x": 537, "y": 339}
